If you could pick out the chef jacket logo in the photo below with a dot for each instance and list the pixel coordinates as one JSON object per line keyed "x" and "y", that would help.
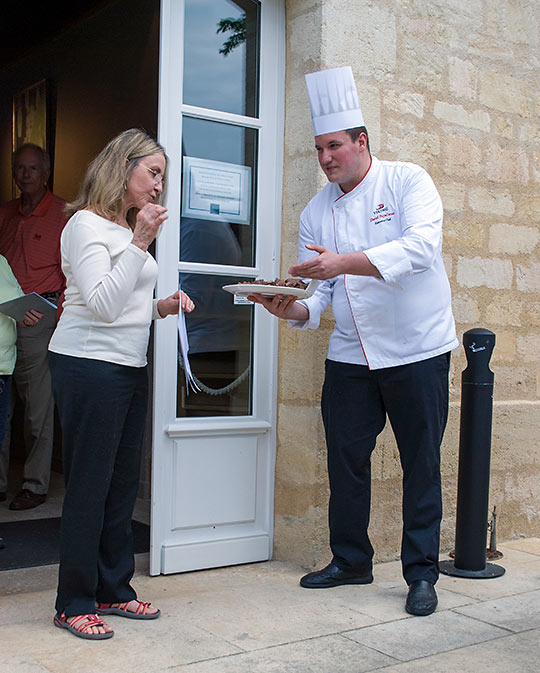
{"x": 381, "y": 214}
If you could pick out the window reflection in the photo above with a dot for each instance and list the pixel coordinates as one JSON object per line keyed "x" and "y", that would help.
{"x": 221, "y": 55}
{"x": 219, "y": 336}
{"x": 229, "y": 144}
{"x": 209, "y": 241}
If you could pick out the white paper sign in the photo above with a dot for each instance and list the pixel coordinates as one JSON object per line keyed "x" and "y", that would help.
{"x": 215, "y": 190}
{"x": 241, "y": 300}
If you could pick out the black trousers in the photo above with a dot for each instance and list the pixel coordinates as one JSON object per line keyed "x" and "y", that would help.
{"x": 355, "y": 403}
{"x": 102, "y": 408}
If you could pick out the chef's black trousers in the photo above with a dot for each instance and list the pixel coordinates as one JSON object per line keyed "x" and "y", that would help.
{"x": 355, "y": 404}
{"x": 102, "y": 409}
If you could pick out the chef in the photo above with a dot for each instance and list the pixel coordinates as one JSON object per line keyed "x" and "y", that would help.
{"x": 373, "y": 237}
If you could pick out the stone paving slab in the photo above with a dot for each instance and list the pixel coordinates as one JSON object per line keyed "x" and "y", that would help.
{"x": 14, "y": 609}
{"x": 512, "y": 654}
{"x": 22, "y": 664}
{"x": 329, "y": 654}
{"x": 530, "y": 545}
{"x": 28, "y": 580}
{"x": 388, "y": 575}
{"x": 515, "y": 613}
{"x": 514, "y": 556}
{"x": 257, "y": 619}
{"x": 149, "y": 647}
{"x": 420, "y": 637}
{"x": 386, "y": 604}
{"x": 253, "y": 620}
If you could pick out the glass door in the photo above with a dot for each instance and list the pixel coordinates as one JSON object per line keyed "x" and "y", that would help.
{"x": 221, "y": 122}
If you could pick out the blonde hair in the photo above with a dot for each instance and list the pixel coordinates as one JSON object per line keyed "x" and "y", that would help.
{"x": 105, "y": 181}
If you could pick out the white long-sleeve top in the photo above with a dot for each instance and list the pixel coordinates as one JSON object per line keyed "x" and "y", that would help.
{"x": 109, "y": 303}
{"x": 394, "y": 215}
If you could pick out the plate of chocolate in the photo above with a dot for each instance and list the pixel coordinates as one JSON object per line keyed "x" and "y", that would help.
{"x": 269, "y": 288}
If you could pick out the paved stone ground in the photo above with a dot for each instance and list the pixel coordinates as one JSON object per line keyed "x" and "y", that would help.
{"x": 256, "y": 619}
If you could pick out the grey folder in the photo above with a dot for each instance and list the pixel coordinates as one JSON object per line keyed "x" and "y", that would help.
{"x": 16, "y": 308}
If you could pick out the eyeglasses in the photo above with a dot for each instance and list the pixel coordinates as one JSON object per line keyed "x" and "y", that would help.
{"x": 158, "y": 177}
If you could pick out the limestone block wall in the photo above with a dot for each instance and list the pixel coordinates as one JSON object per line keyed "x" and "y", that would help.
{"x": 453, "y": 85}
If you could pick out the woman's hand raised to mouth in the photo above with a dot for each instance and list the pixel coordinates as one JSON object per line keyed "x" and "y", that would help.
{"x": 149, "y": 219}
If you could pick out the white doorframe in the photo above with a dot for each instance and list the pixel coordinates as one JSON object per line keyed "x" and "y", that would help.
{"x": 182, "y": 537}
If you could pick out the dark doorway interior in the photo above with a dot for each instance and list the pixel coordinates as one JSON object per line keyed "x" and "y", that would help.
{"x": 101, "y": 64}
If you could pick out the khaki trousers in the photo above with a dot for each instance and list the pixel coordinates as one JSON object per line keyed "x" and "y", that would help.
{"x": 32, "y": 381}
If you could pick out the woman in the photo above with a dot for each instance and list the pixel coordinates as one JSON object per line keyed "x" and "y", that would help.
{"x": 97, "y": 358}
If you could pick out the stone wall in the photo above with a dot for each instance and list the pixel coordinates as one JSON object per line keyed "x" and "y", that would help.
{"x": 452, "y": 85}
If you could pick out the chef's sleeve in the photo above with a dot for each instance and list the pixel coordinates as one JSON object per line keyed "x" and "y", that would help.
{"x": 421, "y": 237}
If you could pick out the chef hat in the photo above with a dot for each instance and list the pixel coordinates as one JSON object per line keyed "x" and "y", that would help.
{"x": 333, "y": 100}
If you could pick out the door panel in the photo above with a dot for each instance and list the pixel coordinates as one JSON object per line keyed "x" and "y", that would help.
{"x": 230, "y": 477}
{"x": 220, "y": 485}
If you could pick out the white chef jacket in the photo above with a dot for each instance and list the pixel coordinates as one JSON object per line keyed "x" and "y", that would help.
{"x": 394, "y": 215}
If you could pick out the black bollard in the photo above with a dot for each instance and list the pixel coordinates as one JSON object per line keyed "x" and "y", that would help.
{"x": 474, "y": 461}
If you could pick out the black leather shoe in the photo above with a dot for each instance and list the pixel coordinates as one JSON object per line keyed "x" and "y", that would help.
{"x": 27, "y": 499}
{"x": 3, "y": 496}
{"x": 421, "y": 599}
{"x": 332, "y": 576}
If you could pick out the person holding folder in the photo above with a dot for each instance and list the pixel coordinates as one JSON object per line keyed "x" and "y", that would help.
{"x": 9, "y": 289}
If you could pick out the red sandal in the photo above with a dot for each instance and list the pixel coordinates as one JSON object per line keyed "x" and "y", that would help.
{"x": 80, "y": 624}
{"x": 122, "y": 610}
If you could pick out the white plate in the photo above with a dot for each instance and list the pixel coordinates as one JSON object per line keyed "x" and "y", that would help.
{"x": 243, "y": 289}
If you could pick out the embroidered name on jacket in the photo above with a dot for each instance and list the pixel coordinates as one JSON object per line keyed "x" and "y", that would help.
{"x": 381, "y": 214}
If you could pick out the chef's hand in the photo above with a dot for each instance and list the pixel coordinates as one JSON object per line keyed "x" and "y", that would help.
{"x": 31, "y": 318}
{"x": 282, "y": 306}
{"x": 328, "y": 264}
{"x": 171, "y": 305}
{"x": 149, "y": 219}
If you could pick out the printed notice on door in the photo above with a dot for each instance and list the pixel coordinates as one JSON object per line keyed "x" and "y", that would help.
{"x": 215, "y": 190}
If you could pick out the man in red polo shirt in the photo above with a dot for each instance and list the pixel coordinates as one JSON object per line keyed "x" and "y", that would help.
{"x": 30, "y": 229}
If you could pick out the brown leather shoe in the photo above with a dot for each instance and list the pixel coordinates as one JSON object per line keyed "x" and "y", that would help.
{"x": 26, "y": 499}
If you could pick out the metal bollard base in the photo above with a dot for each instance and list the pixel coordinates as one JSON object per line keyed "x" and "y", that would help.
{"x": 490, "y": 571}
